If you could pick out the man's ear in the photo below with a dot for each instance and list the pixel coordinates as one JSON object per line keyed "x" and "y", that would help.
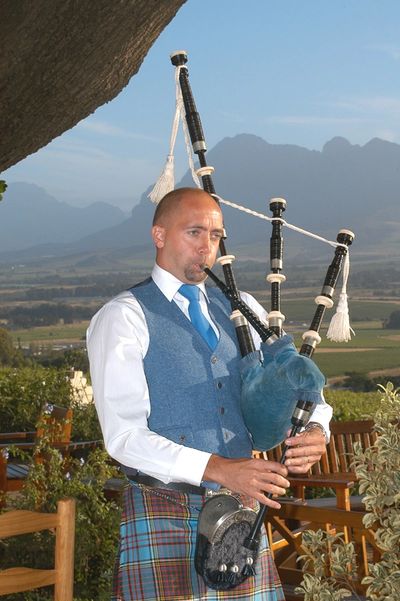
{"x": 158, "y": 235}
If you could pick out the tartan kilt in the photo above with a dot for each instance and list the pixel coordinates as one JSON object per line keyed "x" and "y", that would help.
{"x": 156, "y": 552}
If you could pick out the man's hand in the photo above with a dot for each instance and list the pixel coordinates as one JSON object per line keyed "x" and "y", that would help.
{"x": 304, "y": 450}
{"x": 253, "y": 477}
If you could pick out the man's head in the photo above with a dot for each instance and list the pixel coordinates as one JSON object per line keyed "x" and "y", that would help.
{"x": 187, "y": 228}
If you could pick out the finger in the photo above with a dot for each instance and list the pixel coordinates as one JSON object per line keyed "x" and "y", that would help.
{"x": 269, "y": 502}
{"x": 273, "y": 467}
{"x": 302, "y": 460}
{"x": 306, "y": 450}
{"x": 274, "y": 479}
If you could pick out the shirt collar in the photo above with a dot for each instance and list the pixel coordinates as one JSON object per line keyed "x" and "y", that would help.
{"x": 169, "y": 284}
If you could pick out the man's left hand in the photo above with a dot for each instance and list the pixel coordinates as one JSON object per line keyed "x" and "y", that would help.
{"x": 304, "y": 450}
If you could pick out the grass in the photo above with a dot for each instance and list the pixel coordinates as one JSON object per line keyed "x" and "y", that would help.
{"x": 383, "y": 344}
{"x": 338, "y": 364}
{"x": 73, "y": 332}
{"x": 362, "y": 310}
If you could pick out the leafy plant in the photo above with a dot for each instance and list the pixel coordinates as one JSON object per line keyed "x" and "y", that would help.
{"x": 329, "y": 566}
{"x": 331, "y": 560}
{"x": 24, "y": 391}
{"x": 349, "y": 405}
{"x": 378, "y": 470}
{"x": 3, "y": 188}
{"x": 53, "y": 477}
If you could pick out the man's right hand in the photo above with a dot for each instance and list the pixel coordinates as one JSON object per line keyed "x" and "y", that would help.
{"x": 253, "y": 477}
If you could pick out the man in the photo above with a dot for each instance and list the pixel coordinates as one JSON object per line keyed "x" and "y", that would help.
{"x": 168, "y": 404}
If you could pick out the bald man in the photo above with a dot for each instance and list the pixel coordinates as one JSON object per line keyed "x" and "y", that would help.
{"x": 168, "y": 404}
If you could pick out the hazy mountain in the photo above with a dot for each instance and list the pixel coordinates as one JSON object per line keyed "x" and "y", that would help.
{"x": 29, "y": 216}
{"x": 342, "y": 186}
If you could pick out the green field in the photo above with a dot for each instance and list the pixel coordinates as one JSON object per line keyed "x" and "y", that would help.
{"x": 371, "y": 349}
{"x": 57, "y": 334}
{"x": 360, "y": 310}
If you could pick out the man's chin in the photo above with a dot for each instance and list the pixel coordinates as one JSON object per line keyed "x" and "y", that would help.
{"x": 196, "y": 276}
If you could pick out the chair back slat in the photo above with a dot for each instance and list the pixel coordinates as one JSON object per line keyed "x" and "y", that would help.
{"x": 18, "y": 579}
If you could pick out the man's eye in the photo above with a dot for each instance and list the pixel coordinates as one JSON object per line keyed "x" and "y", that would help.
{"x": 193, "y": 232}
{"x": 216, "y": 236}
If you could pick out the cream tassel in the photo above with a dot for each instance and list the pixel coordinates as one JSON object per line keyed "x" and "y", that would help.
{"x": 339, "y": 329}
{"x": 166, "y": 181}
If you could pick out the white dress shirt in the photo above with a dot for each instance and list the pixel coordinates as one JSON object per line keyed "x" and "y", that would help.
{"x": 117, "y": 342}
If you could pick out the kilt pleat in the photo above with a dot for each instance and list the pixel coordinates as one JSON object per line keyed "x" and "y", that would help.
{"x": 156, "y": 552}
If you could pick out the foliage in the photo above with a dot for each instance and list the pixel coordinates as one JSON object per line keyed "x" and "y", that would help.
{"x": 85, "y": 424}
{"x": 3, "y": 188}
{"x": 9, "y": 355}
{"x": 331, "y": 563}
{"x": 97, "y": 520}
{"x": 393, "y": 321}
{"x": 378, "y": 471}
{"x": 24, "y": 391}
{"x": 359, "y": 382}
{"x": 348, "y": 405}
{"x": 45, "y": 314}
{"x": 70, "y": 359}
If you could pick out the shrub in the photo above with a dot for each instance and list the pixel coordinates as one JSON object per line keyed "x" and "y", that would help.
{"x": 348, "y": 405}
{"x": 97, "y": 521}
{"x": 24, "y": 391}
{"x": 378, "y": 471}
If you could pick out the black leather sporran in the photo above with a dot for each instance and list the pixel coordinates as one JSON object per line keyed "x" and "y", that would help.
{"x": 221, "y": 557}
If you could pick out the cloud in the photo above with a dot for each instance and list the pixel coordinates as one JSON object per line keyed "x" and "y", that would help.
{"x": 70, "y": 168}
{"x": 389, "y": 49}
{"x": 375, "y": 104}
{"x": 103, "y": 128}
{"x": 312, "y": 120}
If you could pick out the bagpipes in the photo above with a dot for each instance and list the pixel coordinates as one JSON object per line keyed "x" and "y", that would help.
{"x": 280, "y": 386}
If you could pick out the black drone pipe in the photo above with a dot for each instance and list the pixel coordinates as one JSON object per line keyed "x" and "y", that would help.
{"x": 179, "y": 59}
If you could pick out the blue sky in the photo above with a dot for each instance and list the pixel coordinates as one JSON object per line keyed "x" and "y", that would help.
{"x": 291, "y": 71}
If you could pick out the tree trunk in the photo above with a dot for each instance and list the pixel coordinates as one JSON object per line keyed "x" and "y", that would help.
{"x": 61, "y": 59}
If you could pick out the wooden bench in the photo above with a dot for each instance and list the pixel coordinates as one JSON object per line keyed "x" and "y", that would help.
{"x": 19, "y": 579}
{"x": 334, "y": 470}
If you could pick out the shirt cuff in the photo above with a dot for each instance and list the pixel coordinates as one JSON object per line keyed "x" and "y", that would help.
{"x": 190, "y": 466}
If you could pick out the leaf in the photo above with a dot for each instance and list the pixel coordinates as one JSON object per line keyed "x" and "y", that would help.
{"x": 3, "y": 188}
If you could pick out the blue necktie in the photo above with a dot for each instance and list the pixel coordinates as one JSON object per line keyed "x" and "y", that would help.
{"x": 197, "y": 318}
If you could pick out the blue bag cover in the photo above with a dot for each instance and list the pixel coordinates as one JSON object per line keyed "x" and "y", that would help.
{"x": 272, "y": 387}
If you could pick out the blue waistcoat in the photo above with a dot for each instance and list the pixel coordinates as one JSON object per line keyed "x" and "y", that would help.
{"x": 194, "y": 392}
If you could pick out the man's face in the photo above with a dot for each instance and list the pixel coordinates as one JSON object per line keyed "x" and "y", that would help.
{"x": 188, "y": 239}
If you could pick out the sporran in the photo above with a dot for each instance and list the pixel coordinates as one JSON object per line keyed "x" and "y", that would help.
{"x": 221, "y": 557}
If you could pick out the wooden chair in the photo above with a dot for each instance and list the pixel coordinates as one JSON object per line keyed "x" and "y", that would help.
{"x": 334, "y": 470}
{"x": 18, "y": 579}
{"x": 55, "y": 423}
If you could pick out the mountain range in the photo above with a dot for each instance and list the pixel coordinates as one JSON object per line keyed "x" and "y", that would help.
{"x": 341, "y": 186}
{"x": 29, "y": 216}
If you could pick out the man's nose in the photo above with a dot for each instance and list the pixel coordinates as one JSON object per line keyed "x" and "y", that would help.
{"x": 205, "y": 244}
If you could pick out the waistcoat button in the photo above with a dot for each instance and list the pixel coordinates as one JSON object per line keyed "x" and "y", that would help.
{"x": 214, "y": 359}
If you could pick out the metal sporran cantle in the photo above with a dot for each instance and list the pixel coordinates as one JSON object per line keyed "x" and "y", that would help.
{"x": 221, "y": 557}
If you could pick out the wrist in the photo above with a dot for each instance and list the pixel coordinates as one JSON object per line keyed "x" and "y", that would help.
{"x": 317, "y": 426}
